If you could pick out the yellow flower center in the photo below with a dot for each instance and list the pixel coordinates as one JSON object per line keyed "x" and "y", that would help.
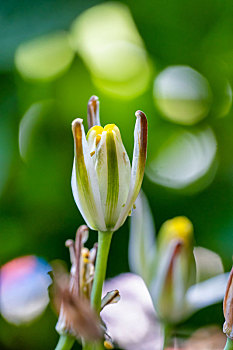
{"x": 109, "y": 127}
{"x": 99, "y": 130}
{"x": 180, "y": 227}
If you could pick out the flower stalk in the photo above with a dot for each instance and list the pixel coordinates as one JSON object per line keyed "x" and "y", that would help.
{"x": 65, "y": 343}
{"x": 229, "y": 344}
{"x": 104, "y": 241}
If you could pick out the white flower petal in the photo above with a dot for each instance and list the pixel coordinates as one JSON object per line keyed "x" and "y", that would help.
{"x": 142, "y": 247}
{"x": 208, "y": 263}
{"x": 132, "y": 322}
{"x": 138, "y": 165}
{"x": 206, "y": 293}
{"x": 84, "y": 181}
{"x": 113, "y": 171}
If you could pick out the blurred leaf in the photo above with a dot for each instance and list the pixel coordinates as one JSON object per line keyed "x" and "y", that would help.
{"x": 142, "y": 246}
{"x": 206, "y": 293}
{"x": 208, "y": 263}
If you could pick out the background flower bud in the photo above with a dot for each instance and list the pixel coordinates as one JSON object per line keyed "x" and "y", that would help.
{"x": 175, "y": 268}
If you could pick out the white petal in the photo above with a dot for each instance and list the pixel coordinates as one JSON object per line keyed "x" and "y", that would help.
{"x": 138, "y": 165}
{"x": 142, "y": 247}
{"x": 132, "y": 322}
{"x": 208, "y": 263}
{"x": 113, "y": 171}
{"x": 206, "y": 293}
{"x": 86, "y": 193}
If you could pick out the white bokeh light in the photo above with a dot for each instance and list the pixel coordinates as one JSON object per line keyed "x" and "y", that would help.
{"x": 185, "y": 157}
{"x": 182, "y": 95}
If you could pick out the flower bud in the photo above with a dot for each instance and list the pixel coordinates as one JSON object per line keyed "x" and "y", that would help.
{"x": 175, "y": 268}
{"x": 103, "y": 184}
{"x": 228, "y": 308}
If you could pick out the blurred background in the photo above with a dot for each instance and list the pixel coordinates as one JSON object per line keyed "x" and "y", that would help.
{"x": 171, "y": 59}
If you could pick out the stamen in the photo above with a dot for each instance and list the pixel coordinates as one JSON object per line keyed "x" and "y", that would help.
{"x": 97, "y": 140}
{"x": 97, "y": 128}
{"x": 85, "y": 252}
{"x": 108, "y": 345}
{"x": 70, "y": 244}
{"x": 92, "y": 153}
{"x": 109, "y": 127}
{"x": 93, "y": 112}
{"x": 93, "y": 253}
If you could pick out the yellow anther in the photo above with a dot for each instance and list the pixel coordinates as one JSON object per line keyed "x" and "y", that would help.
{"x": 86, "y": 260}
{"x": 180, "y": 227}
{"x": 109, "y": 127}
{"x": 92, "y": 153}
{"x": 96, "y": 132}
{"x": 85, "y": 252}
{"x": 108, "y": 345}
{"x": 97, "y": 128}
{"x": 97, "y": 140}
{"x": 134, "y": 206}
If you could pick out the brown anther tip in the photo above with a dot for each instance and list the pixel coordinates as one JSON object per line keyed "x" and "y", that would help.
{"x": 76, "y": 123}
{"x": 140, "y": 114}
{"x": 82, "y": 229}
{"x": 93, "y": 98}
{"x": 69, "y": 243}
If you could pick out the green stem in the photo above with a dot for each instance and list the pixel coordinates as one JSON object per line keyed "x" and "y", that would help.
{"x": 104, "y": 241}
{"x": 93, "y": 346}
{"x": 229, "y": 344}
{"x": 65, "y": 343}
{"x": 166, "y": 336}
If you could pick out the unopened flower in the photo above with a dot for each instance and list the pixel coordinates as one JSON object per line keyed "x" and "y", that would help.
{"x": 104, "y": 185}
{"x": 175, "y": 267}
{"x": 228, "y": 308}
{"x": 168, "y": 267}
